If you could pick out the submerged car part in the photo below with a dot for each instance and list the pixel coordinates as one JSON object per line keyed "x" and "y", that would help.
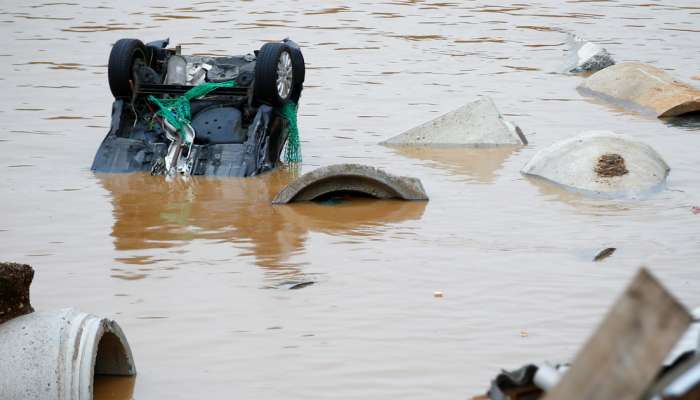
{"x": 235, "y": 127}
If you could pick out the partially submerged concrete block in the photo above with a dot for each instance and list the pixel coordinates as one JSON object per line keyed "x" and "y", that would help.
{"x": 57, "y": 355}
{"x": 643, "y": 86}
{"x": 602, "y": 163}
{"x": 350, "y": 179}
{"x": 475, "y": 124}
{"x": 15, "y": 280}
{"x": 585, "y": 56}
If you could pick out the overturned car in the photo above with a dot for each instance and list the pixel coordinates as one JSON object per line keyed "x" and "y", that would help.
{"x": 200, "y": 115}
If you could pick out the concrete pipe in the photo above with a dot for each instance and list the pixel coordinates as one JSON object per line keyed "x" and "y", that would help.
{"x": 601, "y": 163}
{"x": 643, "y": 87}
{"x": 56, "y": 355}
{"x": 352, "y": 179}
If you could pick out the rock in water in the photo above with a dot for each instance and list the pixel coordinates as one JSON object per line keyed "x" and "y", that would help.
{"x": 475, "y": 124}
{"x": 586, "y": 56}
{"x": 601, "y": 163}
{"x": 643, "y": 86}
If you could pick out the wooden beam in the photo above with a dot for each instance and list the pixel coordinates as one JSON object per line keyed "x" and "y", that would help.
{"x": 624, "y": 355}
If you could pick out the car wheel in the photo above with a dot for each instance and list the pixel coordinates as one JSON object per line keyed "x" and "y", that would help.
{"x": 299, "y": 73}
{"x": 121, "y": 65}
{"x": 274, "y": 74}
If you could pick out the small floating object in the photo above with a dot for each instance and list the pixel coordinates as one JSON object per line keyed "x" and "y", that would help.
{"x": 350, "y": 179}
{"x": 605, "y": 253}
{"x": 301, "y": 285}
{"x": 644, "y": 87}
{"x": 438, "y": 294}
{"x": 475, "y": 124}
{"x": 601, "y": 163}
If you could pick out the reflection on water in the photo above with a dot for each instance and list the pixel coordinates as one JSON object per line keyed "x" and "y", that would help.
{"x": 480, "y": 164}
{"x": 107, "y": 387}
{"x": 150, "y": 212}
{"x": 689, "y": 122}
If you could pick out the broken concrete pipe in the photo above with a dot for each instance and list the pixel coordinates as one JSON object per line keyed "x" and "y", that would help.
{"x": 585, "y": 56}
{"x": 353, "y": 179}
{"x": 644, "y": 87}
{"x": 53, "y": 355}
{"x": 475, "y": 124}
{"x": 601, "y": 163}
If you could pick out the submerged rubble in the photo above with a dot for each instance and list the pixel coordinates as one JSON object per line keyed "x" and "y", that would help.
{"x": 352, "y": 179}
{"x": 645, "y": 88}
{"x": 585, "y": 56}
{"x": 475, "y": 124}
{"x": 601, "y": 162}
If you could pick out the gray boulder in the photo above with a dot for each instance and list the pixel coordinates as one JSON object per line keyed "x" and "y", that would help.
{"x": 475, "y": 124}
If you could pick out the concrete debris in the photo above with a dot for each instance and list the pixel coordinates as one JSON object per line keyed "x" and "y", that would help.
{"x": 586, "y": 56}
{"x": 601, "y": 163}
{"x": 624, "y": 357}
{"x": 15, "y": 280}
{"x": 475, "y": 124}
{"x": 645, "y": 88}
{"x": 56, "y": 355}
{"x": 353, "y": 180}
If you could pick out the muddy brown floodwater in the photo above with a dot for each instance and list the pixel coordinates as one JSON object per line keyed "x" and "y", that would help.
{"x": 198, "y": 273}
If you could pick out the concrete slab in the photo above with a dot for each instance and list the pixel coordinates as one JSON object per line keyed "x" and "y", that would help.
{"x": 601, "y": 163}
{"x": 644, "y": 87}
{"x": 475, "y": 124}
{"x": 353, "y": 179}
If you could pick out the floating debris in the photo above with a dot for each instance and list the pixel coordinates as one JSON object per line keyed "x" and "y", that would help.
{"x": 605, "y": 253}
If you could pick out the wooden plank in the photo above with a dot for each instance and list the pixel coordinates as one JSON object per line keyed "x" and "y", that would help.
{"x": 623, "y": 356}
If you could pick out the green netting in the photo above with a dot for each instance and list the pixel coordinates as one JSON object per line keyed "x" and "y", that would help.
{"x": 177, "y": 111}
{"x": 293, "y": 151}
{"x": 178, "y": 114}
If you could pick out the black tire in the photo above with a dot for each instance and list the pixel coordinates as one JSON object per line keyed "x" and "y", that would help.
{"x": 121, "y": 65}
{"x": 266, "y": 75}
{"x": 299, "y": 73}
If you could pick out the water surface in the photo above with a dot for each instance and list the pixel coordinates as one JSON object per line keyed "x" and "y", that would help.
{"x": 198, "y": 273}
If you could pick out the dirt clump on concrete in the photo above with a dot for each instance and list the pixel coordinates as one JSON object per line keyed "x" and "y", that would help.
{"x": 15, "y": 280}
{"x": 610, "y": 165}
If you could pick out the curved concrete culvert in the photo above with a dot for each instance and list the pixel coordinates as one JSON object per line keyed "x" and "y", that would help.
{"x": 602, "y": 163}
{"x": 645, "y": 87}
{"x": 56, "y": 355}
{"x": 585, "y": 56}
{"x": 353, "y": 179}
{"x": 475, "y": 124}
